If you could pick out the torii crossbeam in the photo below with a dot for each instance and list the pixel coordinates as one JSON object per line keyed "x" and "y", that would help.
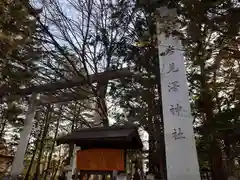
{"x": 79, "y": 81}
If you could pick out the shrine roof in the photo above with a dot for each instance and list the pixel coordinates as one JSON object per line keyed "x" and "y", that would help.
{"x": 117, "y": 137}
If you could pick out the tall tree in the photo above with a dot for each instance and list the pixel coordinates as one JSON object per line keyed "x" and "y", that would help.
{"x": 210, "y": 43}
{"x": 19, "y": 52}
{"x": 94, "y": 34}
{"x": 210, "y": 34}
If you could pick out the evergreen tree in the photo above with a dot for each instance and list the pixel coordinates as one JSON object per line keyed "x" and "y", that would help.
{"x": 210, "y": 37}
{"x": 19, "y": 54}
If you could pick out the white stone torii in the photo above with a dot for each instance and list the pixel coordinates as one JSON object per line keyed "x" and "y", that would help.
{"x": 17, "y": 165}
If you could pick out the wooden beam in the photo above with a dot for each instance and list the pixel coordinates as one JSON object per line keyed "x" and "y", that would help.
{"x": 52, "y": 87}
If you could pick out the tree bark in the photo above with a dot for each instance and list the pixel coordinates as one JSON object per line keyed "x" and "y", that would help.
{"x": 32, "y": 160}
{"x": 71, "y": 145}
{"x": 3, "y": 127}
{"x": 35, "y": 149}
{"x": 159, "y": 124}
{"x": 216, "y": 160}
{"x": 160, "y": 152}
{"x": 53, "y": 145}
{"x": 228, "y": 150}
{"x": 151, "y": 143}
{"x": 101, "y": 103}
{"x": 56, "y": 170}
{"x": 44, "y": 134}
{"x": 150, "y": 130}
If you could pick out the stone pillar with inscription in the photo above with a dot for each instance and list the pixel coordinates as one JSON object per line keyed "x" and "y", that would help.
{"x": 181, "y": 154}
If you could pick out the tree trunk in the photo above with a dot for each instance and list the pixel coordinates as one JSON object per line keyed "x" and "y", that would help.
{"x": 32, "y": 160}
{"x": 101, "y": 103}
{"x": 53, "y": 145}
{"x": 151, "y": 146}
{"x": 229, "y": 162}
{"x": 159, "y": 127}
{"x": 71, "y": 145}
{"x": 3, "y": 123}
{"x": 44, "y": 134}
{"x": 56, "y": 170}
{"x": 35, "y": 149}
{"x": 217, "y": 167}
{"x": 151, "y": 139}
{"x": 217, "y": 161}
{"x": 160, "y": 152}
{"x": 71, "y": 148}
{"x": 3, "y": 127}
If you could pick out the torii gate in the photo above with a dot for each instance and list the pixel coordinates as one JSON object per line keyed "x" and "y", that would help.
{"x": 17, "y": 165}
{"x": 177, "y": 119}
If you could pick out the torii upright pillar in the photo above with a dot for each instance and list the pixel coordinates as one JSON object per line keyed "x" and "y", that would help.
{"x": 17, "y": 165}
